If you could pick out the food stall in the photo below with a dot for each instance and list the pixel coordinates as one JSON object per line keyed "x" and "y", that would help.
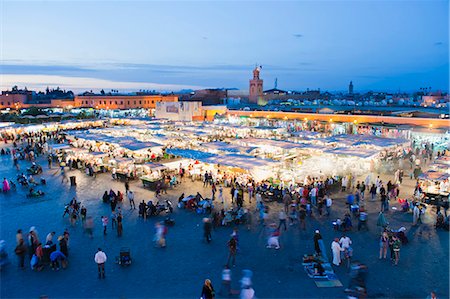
{"x": 154, "y": 173}
{"x": 435, "y": 186}
{"x": 125, "y": 168}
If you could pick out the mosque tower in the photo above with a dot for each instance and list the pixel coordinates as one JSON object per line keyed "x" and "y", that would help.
{"x": 256, "y": 87}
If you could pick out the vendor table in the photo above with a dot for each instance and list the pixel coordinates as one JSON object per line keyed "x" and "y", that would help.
{"x": 436, "y": 198}
{"x": 150, "y": 182}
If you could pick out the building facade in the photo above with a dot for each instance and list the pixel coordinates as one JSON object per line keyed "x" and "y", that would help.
{"x": 121, "y": 101}
{"x": 19, "y": 99}
{"x": 179, "y": 111}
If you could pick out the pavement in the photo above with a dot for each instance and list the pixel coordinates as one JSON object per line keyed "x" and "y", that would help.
{"x": 178, "y": 271}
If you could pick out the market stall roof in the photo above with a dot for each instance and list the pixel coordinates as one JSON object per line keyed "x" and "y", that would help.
{"x": 259, "y": 142}
{"x": 444, "y": 160}
{"x": 155, "y": 166}
{"x": 433, "y": 175}
{"x": 123, "y": 160}
{"x": 357, "y": 140}
{"x": 98, "y": 154}
{"x": 227, "y": 147}
{"x": 191, "y": 154}
{"x": 220, "y": 146}
{"x": 354, "y": 152}
{"x": 137, "y": 145}
{"x": 60, "y": 146}
{"x": 242, "y": 161}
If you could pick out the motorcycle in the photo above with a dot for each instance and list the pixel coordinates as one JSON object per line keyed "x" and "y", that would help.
{"x": 164, "y": 207}
{"x": 22, "y": 180}
{"x": 35, "y": 169}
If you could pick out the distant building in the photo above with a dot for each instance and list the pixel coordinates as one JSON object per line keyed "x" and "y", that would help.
{"x": 117, "y": 101}
{"x": 274, "y": 92}
{"x": 256, "y": 88}
{"x": 350, "y": 88}
{"x": 179, "y": 111}
{"x": 215, "y": 96}
{"x": 434, "y": 99}
{"x": 23, "y": 98}
{"x": 56, "y": 98}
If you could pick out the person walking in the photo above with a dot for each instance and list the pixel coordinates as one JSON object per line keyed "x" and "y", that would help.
{"x": 232, "y": 247}
{"x": 302, "y": 218}
{"x": 207, "y": 290}
{"x": 373, "y": 192}
{"x": 100, "y": 259}
{"x": 119, "y": 225}
{"x": 416, "y": 214}
{"x": 130, "y": 195}
{"x": 89, "y": 227}
{"x": 225, "y": 290}
{"x": 282, "y": 219}
{"x": 384, "y": 244}
{"x": 317, "y": 237}
{"x": 104, "y": 224}
{"x": 396, "y": 243}
{"x": 20, "y": 251}
{"x": 328, "y": 203}
{"x": 113, "y": 219}
{"x": 83, "y": 212}
{"x": 207, "y": 227}
{"x": 213, "y": 190}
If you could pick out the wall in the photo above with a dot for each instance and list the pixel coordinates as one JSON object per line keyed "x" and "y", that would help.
{"x": 122, "y": 102}
{"x": 413, "y": 121}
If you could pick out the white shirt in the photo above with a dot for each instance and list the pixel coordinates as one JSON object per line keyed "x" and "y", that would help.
{"x": 100, "y": 257}
{"x": 130, "y": 195}
{"x": 345, "y": 242}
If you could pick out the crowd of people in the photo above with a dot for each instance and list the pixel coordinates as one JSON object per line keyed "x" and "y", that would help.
{"x": 279, "y": 208}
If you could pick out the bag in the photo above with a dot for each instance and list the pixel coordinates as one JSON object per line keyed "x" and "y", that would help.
{"x": 34, "y": 261}
{"x": 18, "y": 250}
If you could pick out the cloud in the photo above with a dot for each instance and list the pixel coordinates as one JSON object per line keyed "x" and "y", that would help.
{"x": 79, "y": 84}
{"x": 298, "y": 35}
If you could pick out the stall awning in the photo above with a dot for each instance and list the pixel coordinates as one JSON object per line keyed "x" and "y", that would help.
{"x": 354, "y": 152}
{"x": 60, "y": 146}
{"x": 270, "y": 143}
{"x": 242, "y": 161}
{"x": 227, "y": 147}
{"x": 123, "y": 160}
{"x": 433, "y": 175}
{"x": 358, "y": 140}
{"x": 191, "y": 154}
{"x": 137, "y": 146}
{"x": 155, "y": 166}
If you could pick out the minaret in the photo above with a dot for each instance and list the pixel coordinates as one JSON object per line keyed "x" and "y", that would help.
{"x": 350, "y": 88}
{"x": 256, "y": 87}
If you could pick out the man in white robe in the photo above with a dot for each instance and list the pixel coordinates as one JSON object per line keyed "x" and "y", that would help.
{"x": 336, "y": 249}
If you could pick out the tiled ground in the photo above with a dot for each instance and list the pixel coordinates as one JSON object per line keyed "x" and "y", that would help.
{"x": 179, "y": 270}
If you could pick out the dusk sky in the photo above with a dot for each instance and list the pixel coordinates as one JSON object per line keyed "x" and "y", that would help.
{"x": 168, "y": 45}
